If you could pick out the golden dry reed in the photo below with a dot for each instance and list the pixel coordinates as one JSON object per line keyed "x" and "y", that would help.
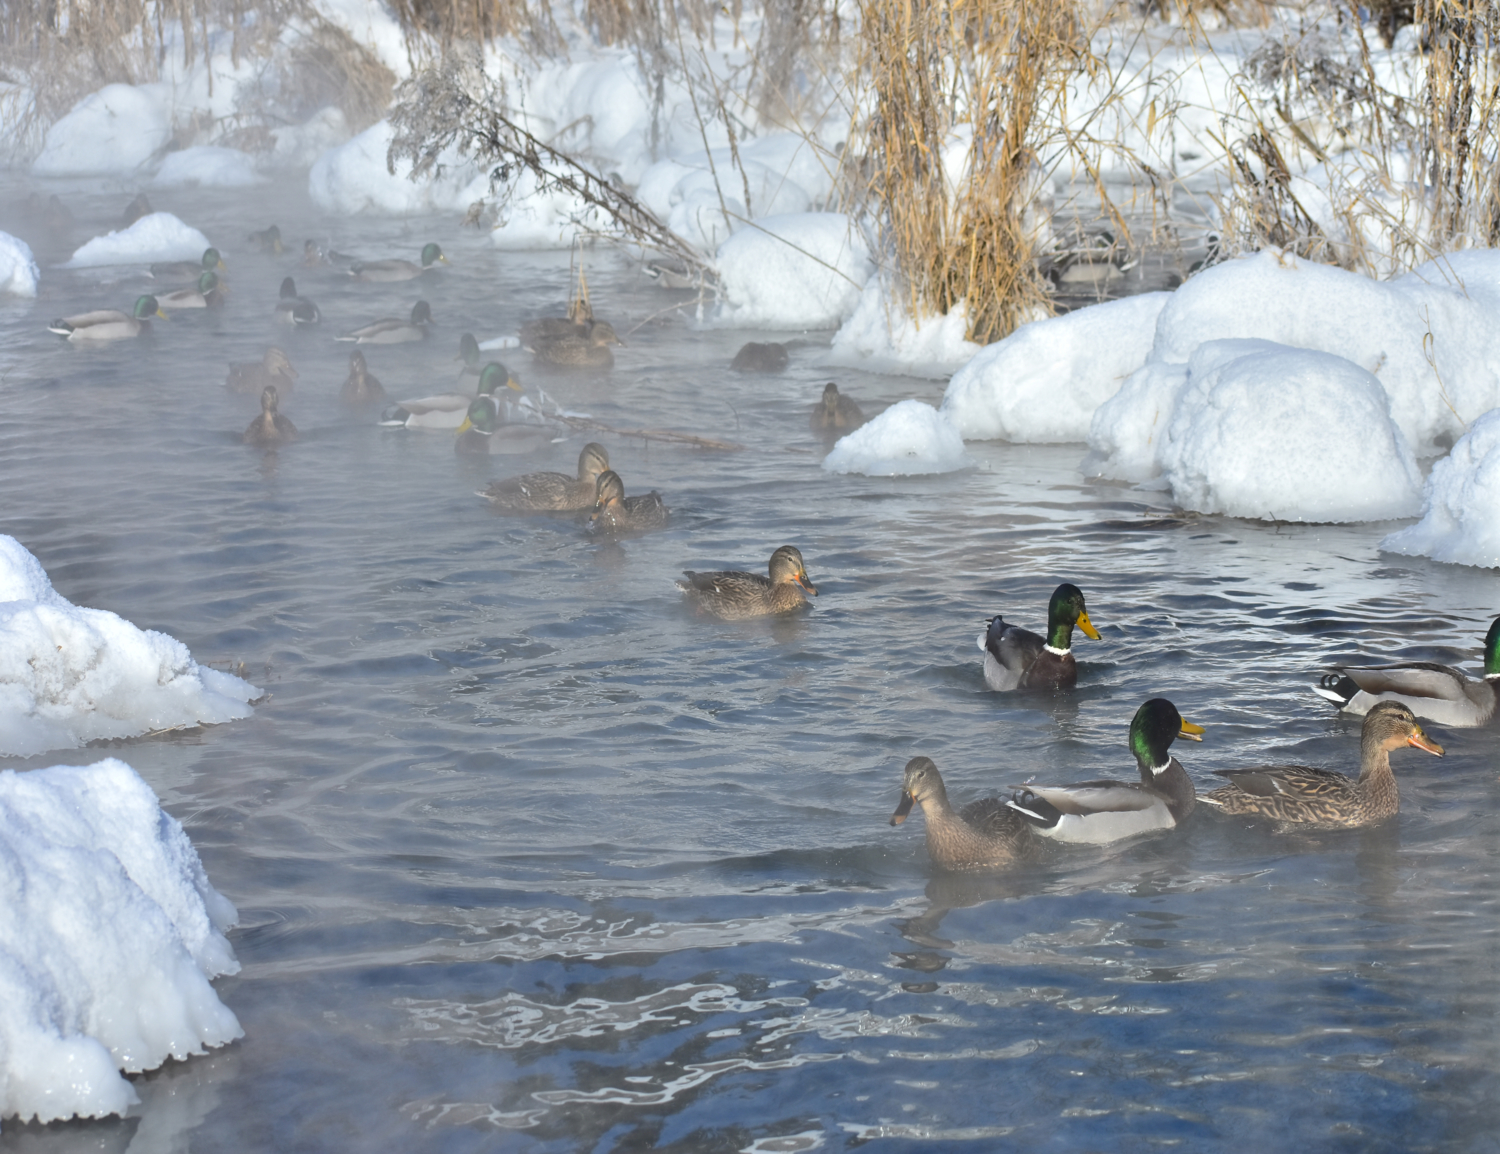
{"x": 962, "y": 90}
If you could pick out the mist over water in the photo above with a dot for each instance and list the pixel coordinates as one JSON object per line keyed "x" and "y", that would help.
{"x": 528, "y": 858}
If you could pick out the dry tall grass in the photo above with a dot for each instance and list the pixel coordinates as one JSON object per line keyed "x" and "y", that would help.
{"x": 963, "y": 91}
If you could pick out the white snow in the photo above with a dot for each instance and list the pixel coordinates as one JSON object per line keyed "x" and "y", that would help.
{"x": 1460, "y": 504}
{"x": 1256, "y": 429}
{"x": 109, "y": 933}
{"x": 802, "y": 271}
{"x": 18, "y": 270}
{"x": 209, "y": 167}
{"x": 881, "y": 336}
{"x": 909, "y": 437}
{"x": 116, "y": 130}
{"x": 532, "y": 219}
{"x": 352, "y": 178}
{"x": 159, "y": 236}
{"x": 70, "y": 675}
{"x": 1044, "y": 381}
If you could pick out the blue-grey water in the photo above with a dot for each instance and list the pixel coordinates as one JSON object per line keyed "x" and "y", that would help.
{"x": 528, "y": 858}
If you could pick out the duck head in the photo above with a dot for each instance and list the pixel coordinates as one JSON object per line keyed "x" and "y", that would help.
{"x": 786, "y": 568}
{"x": 1153, "y": 729}
{"x": 495, "y": 377}
{"x": 468, "y": 350}
{"x": 431, "y": 255}
{"x": 147, "y": 307}
{"x": 1390, "y": 725}
{"x": 593, "y": 461}
{"x": 1492, "y": 650}
{"x": 1065, "y": 610}
{"x": 921, "y": 784}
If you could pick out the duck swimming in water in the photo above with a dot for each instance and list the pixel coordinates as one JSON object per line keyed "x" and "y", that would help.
{"x": 552, "y": 492}
{"x": 208, "y": 293}
{"x": 1319, "y": 798}
{"x": 447, "y": 410}
{"x": 109, "y": 324}
{"x": 1437, "y": 692}
{"x": 483, "y": 432}
{"x": 616, "y": 513}
{"x": 984, "y": 833}
{"x": 360, "y": 387}
{"x": 273, "y": 368}
{"x": 835, "y": 414}
{"x": 1016, "y": 658}
{"x": 395, "y": 269}
{"x": 267, "y": 240}
{"x": 294, "y": 310}
{"x": 270, "y": 428}
{"x": 189, "y": 270}
{"x": 588, "y": 349}
{"x": 734, "y": 595}
{"x": 393, "y": 330}
{"x": 1099, "y": 812}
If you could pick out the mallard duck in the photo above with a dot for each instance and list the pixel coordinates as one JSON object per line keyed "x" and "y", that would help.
{"x": 587, "y": 349}
{"x": 313, "y": 255}
{"x": 483, "y": 431}
{"x": 361, "y": 387}
{"x": 1016, "y": 658}
{"x": 552, "y": 492}
{"x": 835, "y": 414}
{"x": 616, "y": 513}
{"x": 733, "y": 595}
{"x": 136, "y": 209}
{"x": 762, "y": 357}
{"x": 468, "y": 352}
{"x": 50, "y": 214}
{"x": 272, "y": 369}
{"x": 270, "y": 428}
{"x": 292, "y": 309}
{"x": 392, "y": 270}
{"x": 392, "y": 330}
{"x": 1437, "y": 692}
{"x": 1098, "y": 812}
{"x": 208, "y": 293}
{"x": 575, "y": 324}
{"x": 267, "y": 240}
{"x": 109, "y": 324}
{"x": 447, "y": 410}
{"x": 983, "y": 833}
{"x": 1321, "y": 798}
{"x": 181, "y": 270}
{"x": 1099, "y": 261}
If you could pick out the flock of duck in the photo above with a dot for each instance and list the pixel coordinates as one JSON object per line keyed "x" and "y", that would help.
{"x": 998, "y": 831}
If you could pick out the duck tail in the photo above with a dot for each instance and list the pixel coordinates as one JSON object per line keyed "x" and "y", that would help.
{"x": 394, "y": 417}
{"x": 1338, "y": 688}
{"x": 1037, "y": 810}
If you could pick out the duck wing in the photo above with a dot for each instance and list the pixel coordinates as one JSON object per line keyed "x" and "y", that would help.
{"x": 993, "y": 817}
{"x": 1301, "y": 782}
{"x": 724, "y": 582}
{"x": 1009, "y": 652}
{"x": 1437, "y": 692}
{"x": 1409, "y": 679}
{"x": 66, "y": 325}
{"x": 1092, "y": 812}
{"x": 1092, "y": 797}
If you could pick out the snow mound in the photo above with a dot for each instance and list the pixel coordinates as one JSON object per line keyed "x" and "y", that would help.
{"x": 1256, "y": 429}
{"x": 881, "y": 336}
{"x": 352, "y": 178}
{"x": 1461, "y": 503}
{"x": 158, "y": 236}
{"x": 910, "y": 437}
{"x": 535, "y": 219}
{"x": 18, "y": 270}
{"x": 70, "y": 675}
{"x": 1044, "y": 381}
{"x": 109, "y": 933}
{"x": 208, "y": 166}
{"x": 801, "y": 271}
{"x": 115, "y": 131}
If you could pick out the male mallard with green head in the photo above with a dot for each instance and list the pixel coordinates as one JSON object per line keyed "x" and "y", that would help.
{"x": 396, "y": 270}
{"x": 1319, "y": 798}
{"x": 1099, "y": 812}
{"x": 109, "y": 324}
{"x": 483, "y": 432}
{"x": 734, "y": 595}
{"x": 181, "y": 270}
{"x": 552, "y": 492}
{"x": 616, "y": 513}
{"x": 447, "y": 410}
{"x": 984, "y": 833}
{"x": 267, "y": 240}
{"x": 1016, "y": 658}
{"x": 393, "y": 330}
{"x": 1437, "y": 692}
{"x": 207, "y": 293}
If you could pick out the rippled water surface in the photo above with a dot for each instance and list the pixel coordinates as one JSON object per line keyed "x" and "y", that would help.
{"x": 528, "y": 858}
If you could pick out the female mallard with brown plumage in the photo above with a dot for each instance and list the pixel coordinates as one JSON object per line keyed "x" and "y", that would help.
{"x": 835, "y": 414}
{"x": 616, "y": 513}
{"x": 552, "y": 492}
{"x": 1099, "y": 812}
{"x": 1016, "y": 658}
{"x": 274, "y": 368}
{"x": 270, "y": 428}
{"x": 588, "y": 348}
{"x": 733, "y": 595}
{"x": 1437, "y": 692}
{"x": 984, "y": 833}
{"x": 361, "y": 387}
{"x": 1320, "y": 798}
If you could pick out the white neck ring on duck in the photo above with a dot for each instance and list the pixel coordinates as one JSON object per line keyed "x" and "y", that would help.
{"x": 1056, "y": 652}
{"x": 1156, "y": 770}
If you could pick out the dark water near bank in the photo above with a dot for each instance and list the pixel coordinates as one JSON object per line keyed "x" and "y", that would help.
{"x": 529, "y": 859}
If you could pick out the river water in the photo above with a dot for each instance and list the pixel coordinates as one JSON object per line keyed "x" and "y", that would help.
{"x": 528, "y": 858}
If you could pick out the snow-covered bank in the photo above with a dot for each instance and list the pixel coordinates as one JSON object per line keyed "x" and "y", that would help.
{"x": 1461, "y": 503}
{"x": 70, "y": 675}
{"x": 158, "y": 236}
{"x": 109, "y": 934}
{"x": 19, "y": 273}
